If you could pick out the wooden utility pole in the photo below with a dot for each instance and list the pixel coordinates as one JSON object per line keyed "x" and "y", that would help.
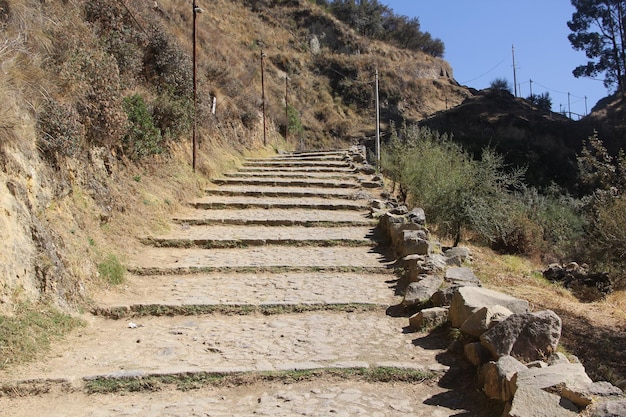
{"x": 263, "y": 96}
{"x": 569, "y": 106}
{"x": 377, "y": 125}
{"x": 195, "y": 101}
{"x": 286, "y": 108}
{"x": 514, "y": 71}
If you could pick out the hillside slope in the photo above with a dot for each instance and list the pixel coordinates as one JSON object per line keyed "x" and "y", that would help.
{"x": 96, "y": 116}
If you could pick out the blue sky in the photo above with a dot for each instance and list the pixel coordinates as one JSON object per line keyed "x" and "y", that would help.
{"x": 478, "y": 36}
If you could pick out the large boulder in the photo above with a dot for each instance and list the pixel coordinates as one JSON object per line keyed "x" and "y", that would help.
{"x": 443, "y": 297}
{"x": 530, "y": 336}
{"x": 614, "y": 408}
{"x": 497, "y": 377}
{"x": 461, "y": 276}
{"x": 414, "y": 242}
{"x": 417, "y": 265}
{"x": 456, "y": 255}
{"x": 417, "y": 215}
{"x": 567, "y": 374}
{"x": 467, "y": 300}
{"x": 484, "y": 319}
{"x": 429, "y": 318}
{"x": 584, "y": 394}
{"x": 534, "y": 402}
{"x": 419, "y": 292}
{"x": 476, "y": 354}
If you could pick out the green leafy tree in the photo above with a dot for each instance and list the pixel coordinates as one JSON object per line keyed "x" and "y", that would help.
{"x": 375, "y": 20}
{"x": 599, "y": 29}
{"x": 541, "y": 101}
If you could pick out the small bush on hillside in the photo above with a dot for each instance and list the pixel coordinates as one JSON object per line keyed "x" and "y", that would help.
{"x": 142, "y": 137}
{"x": 501, "y": 84}
{"x": 94, "y": 77}
{"x": 61, "y": 131}
{"x": 295, "y": 125}
{"x": 167, "y": 65}
{"x": 541, "y": 101}
{"x": 173, "y": 116}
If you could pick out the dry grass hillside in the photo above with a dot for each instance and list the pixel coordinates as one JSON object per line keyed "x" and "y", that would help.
{"x": 80, "y": 77}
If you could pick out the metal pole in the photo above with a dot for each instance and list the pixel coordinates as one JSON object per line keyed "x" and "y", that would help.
{"x": 195, "y": 101}
{"x": 585, "y": 105}
{"x": 263, "y": 96}
{"x": 531, "y": 87}
{"x": 377, "y": 124}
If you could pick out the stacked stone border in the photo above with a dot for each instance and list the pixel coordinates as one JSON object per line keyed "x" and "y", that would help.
{"x": 513, "y": 349}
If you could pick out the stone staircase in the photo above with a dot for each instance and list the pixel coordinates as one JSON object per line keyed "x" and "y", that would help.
{"x": 268, "y": 296}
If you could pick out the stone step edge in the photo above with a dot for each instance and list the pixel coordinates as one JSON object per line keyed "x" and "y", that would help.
{"x": 286, "y": 174}
{"x": 300, "y": 170}
{"x": 280, "y": 194}
{"x": 244, "y": 243}
{"x": 298, "y": 158}
{"x": 140, "y": 381}
{"x": 269, "y": 309}
{"x": 274, "y": 269}
{"x": 275, "y": 223}
{"x": 285, "y": 184}
{"x": 265, "y": 205}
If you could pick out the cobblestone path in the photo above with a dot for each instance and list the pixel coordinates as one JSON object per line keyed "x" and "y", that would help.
{"x": 269, "y": 296}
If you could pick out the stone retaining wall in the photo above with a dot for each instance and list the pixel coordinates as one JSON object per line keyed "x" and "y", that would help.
{"x": 513, "y": 348}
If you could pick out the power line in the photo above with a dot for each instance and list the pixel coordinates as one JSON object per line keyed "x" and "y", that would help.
{"x": 482, "y": 75}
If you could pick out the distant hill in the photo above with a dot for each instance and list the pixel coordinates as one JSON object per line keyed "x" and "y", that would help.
{"x": 545, "y": 142}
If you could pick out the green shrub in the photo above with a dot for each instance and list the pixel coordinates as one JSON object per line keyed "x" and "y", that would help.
{"x": 173, "y": 115}
{"x": 456, "y": 191}
{"x": 112, "y": 270}
{"x": 607, "y": 237}
{"x": 142, "y": 137}
{"x": 295, "y": 124}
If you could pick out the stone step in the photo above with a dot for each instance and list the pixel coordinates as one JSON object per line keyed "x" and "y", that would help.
{"x": 311, "y": 154}
{"x": 250, "y": 289}
{"x": 302, "y": 157}
{"x": 317, "y": 394}
{"x": 153, "y": 346}
{"x": 296, "y": 163}
{"x": 275, "y": 217}
{"x": 227, "y": 236}
{"x": 164, "y": 261}
{"x": 291, "y": 174}
{"x": 282, "y": 191}
{"x": 311, "y": 203}
{"x": 282, "y": 182}
{"x": 302, "y": 169}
